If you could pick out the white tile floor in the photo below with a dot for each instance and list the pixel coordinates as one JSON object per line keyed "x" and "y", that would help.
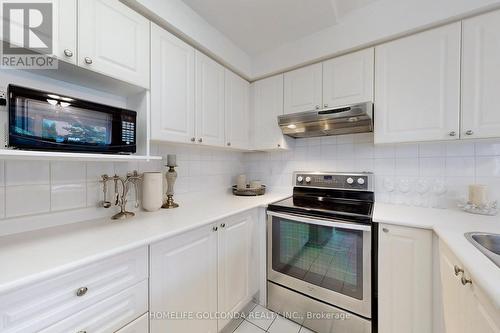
{"x": 262, "y": 320}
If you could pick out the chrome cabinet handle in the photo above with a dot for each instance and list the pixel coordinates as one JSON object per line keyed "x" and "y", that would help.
{"x": 88, "y": 60}
{"x": 317, "y": 107}
{"x": 325, "y": 106}
{"x": 81, "y": 291}
{"x": 200, "y": 140}
{"x": 229, "y": 144}
{"x": 385, "y": 230}
{"x": 452, "y": 133}
{"x": 223, "y": 225}
{"x": 193, "y": 139}
{"x": 469, "y": 132}
{"x": 68, "y": 53}
{"x": 215, "y": 229}
{"x": 458, "y": 270}
{"x": 279, "y": 145}
{"x": 465, "y": 281}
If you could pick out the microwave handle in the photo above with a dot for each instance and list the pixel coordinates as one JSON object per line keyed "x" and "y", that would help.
{"x": 324, "y": 222}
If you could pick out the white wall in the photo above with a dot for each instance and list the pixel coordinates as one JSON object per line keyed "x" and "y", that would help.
{"x": 187, "y": 24}
{"x": 457, "y": 164}
{"x": 380, "y": 21}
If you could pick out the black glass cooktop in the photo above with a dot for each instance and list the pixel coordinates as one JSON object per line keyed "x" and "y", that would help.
{"x": 338, "y": 204}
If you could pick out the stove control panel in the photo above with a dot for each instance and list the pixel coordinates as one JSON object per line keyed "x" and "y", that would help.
{"x": 341, "y": 181}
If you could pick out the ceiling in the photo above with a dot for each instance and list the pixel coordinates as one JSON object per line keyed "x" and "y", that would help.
{"x": 260, "y": 25}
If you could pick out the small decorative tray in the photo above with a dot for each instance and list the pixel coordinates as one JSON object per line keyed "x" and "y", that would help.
{"x": 249, "y": 192}
{"x": 490, "y": 209}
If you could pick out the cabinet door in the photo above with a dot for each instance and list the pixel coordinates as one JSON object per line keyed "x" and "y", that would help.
{"x": 237, "y": 111}
{"x": 453, "y": 293}
{"x": 66, "y": 47}
{"x": 172, "y": 87}
{"x": 481, "y": 76}
{"x": 235, "y": 252}
{"x": 183, "y": 279}
{"x": 267, "y": 105}
{"x": 303, "y": 89}
{"x": 405, "y": 279}
{"x": 209, "y": 103}
{"x": 113, "y": 40}
{"x": 140, "y": 325}
{"x": 348, "y": 79}
{"x": 417, "y": 87}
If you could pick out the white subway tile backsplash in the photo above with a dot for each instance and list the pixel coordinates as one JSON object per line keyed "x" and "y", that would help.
{"x": 460, "y": 166}
{"x": 67, "y": 172}
{"x": 432, "y": 149}
{"x": 27, "y": 173}
{"x": 407, "y": 150}
{"x": 488, "y": 166}
{"x": 460, "y": 148}
{"x": 27, "y": 200}
{"x": 68, "y": 196}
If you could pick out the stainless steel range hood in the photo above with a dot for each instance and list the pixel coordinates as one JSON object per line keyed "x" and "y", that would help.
{"x": 357, "y": 118}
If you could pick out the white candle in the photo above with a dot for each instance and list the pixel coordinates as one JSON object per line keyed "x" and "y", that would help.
{"x": 241, "y": 183}
{"x": 171, "y": 160}
{"x": 478, "y": 194}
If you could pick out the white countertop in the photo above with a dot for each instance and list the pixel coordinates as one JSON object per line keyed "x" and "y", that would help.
{"x": 450, "y": 225}
{"x": 35, "y": 255}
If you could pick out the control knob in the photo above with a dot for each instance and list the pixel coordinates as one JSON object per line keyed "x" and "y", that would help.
{"x": 300, "y": 179}
{"x": 361, "y": 181}
{"x": 350, "y": 181}
{"x": 308, "y": 180}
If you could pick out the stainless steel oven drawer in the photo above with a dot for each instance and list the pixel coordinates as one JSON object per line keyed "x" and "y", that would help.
{"x": 319, "y": 317}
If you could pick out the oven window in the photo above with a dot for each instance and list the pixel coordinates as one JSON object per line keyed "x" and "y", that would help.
{"x": 62, "y": 123}
{"x": 328, "y": 257}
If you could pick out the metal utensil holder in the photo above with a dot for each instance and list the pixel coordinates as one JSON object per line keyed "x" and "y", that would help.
{"x": 120, "y": 199}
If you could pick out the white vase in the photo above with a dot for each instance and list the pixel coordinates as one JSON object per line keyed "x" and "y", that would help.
{"x": 152, "y": 191}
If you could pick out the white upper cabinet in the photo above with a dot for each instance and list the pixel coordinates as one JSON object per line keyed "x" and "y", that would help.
{"x": 303, "y": 89}
{"x": 113, "y": 40}
{"x": 481, "y": 76}
{"x": 348, "y": 79}
{"x": 417, "y": 87}
{"x": 172, "y": 88}
{"x": 237, "y": 111}
{"x": 67, "y": 42}
{"x": 267, "y": 105}
{"x": 405, "y": 279}
{"x": 209, "y": 100}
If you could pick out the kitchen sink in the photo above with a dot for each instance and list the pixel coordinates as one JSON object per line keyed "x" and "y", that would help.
{"x": 487, "y": 243}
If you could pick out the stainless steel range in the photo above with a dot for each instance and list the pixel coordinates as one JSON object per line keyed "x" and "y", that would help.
{"x": 320, "y": 252}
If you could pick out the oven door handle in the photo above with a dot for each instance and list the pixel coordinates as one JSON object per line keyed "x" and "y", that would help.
{"x": 324, "y": 222}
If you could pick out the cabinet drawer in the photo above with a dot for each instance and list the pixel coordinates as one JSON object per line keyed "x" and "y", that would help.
{"x": 140, "y": 325}
{"x": 42, "y": 304}
{"x": 108, "y": 315}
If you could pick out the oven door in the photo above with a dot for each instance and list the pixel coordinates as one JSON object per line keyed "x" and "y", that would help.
{"x": 328, "y": 260}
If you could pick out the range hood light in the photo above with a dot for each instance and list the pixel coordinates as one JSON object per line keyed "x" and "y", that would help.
{"x": 353, "y": 119}
{"x": 292, "y": 126}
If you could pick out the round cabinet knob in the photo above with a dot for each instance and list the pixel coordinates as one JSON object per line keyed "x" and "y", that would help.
{"x": 279, "y": 145}
{"x": 458, "y": 270}
{"x": 469, "y": 132}
{"x": 223, "y": 225}
{"x": 361, "y": 181}
{"x": 350, "y": 181}
{"x": 325, "y": 106}
{"x": 452, "y": 133}
{"x": 215, "y": 229}
{"x": 300, "y": 179}
{"x": 317, "y": 107}
{"x": 88, "y": 60}
{"x": 193, "y": 139}
{"x": 81, "y": 291}
{"x": 308, "y": 180}
{"x": 229, "y": 144}
{"x": 465, "y": 281}
{"x": 200, "y": 140}
{"x": 68, "y": 53}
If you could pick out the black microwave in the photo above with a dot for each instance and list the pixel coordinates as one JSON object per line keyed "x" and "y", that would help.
{"x": 40, "y": 120}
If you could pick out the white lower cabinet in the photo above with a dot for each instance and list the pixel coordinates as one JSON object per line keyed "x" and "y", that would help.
{"x": 109, "y": 315}
{"x": 405, "y": 280}
{"x": 54, "y": 300}
{"x": 140, "y": 325}
{"x": 465, "y": 307}
{"x": 199, "y": 273}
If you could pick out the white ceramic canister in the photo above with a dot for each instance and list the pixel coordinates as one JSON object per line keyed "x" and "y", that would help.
{"x": 152, "y": 191}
